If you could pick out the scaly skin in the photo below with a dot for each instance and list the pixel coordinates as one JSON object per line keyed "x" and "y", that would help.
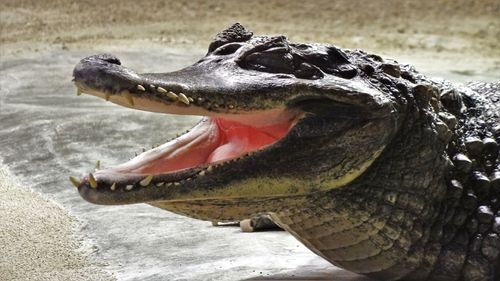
{"x": 386, "y": 172}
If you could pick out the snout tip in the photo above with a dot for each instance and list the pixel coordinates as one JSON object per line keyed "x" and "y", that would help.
{"x": 104, "y": 72}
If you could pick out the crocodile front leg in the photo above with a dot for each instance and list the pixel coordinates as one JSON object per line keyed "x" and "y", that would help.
{"x": 260, "y": 222}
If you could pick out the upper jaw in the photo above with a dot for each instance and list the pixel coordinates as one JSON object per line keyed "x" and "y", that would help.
{"x": 210, "y": 88}
{"x": 214, "y": 86}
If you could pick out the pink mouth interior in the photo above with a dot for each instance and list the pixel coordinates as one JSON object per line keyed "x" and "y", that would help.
{"x": 212, "y": 140}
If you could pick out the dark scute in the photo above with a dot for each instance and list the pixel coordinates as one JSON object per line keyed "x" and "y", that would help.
{"x": 227, "y": 49}
{"x": 474, "y": 145}
{"x": 491, "y": 247}
{"x": 368, "y": 69}
{"x": 308, "y": 71}
{"x": 423, "y": 93}
{"x": 271, "y": 55}
{"x": 496, "y": 131}
{"x": 329, "y": 60}
{"x": 462, "y": 162}
{"x": 235, "y": 33}
{"x": 312, "y": 56}
{"x": 270, "y": 62}
{"x": 495, "y": 182}
{"x": 496, "y": 225}
{"x": 347, "y": 71}
{"x": 468, "y": 101}
{"x": 391, "y": 69}
{"x": 491, "y": 147}
{"x": 485, "y": 214}
{"x": 450, "y": 120}
{"x": 374, "y": 57}
{"x": 455, "y": 189}
{"x": 337, "y": 56}
{"x": 270, "y": 45}
{"x": 452, "y": 101}
{"x": 108, "y": 58}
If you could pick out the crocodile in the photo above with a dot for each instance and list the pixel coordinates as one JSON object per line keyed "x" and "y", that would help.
{"x": 372, "y": 165}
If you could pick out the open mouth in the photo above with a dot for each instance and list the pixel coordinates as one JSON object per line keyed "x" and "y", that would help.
{"x": 212, "y": 141}
{"x": 227, "y": 135}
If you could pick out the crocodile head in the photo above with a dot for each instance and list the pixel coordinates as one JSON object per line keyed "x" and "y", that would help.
{"x": 280, "y": 120}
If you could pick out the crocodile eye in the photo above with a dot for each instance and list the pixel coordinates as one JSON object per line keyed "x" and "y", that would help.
{"x": 227, "y": 49}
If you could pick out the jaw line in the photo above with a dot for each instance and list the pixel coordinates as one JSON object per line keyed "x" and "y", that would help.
{"x": 256, "y": 117}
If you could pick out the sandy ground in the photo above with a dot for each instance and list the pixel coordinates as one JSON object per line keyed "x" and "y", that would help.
{"x": 37, "y": 237}
{"x": 461, "y": 27}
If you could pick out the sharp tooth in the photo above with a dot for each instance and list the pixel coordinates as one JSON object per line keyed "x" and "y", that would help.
{"x": 78, "y": 92}
{"x": 177, "y": 183}
{"x": 92, "y": 181}
{"x": 190, "y": 99}
{"x": 75, "y": 181}
{"x": 141, "y": 88}
{"x": 168, "y": 184}
{"x": 210, "y": 168}
{"x": 129, "y": 187}
{"x": 160, "y": 184}
{"x": 128, "y": 97}
{"x": 231, "y": 106}
{"x": 183, "y": 99}
{"x": 202, "y": 173}
{"x": 146, "y": 181}
{"x": 113, "y": 186}
{"x": 151, "y": 86}
{"x": 98, "y": 164}
{"x": 172, "y": 95}
{"x": 161, "y": 90}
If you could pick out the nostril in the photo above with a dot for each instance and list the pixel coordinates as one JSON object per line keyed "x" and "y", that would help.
{"x": 108, "y": 58}
{"x": 104, "y": 72}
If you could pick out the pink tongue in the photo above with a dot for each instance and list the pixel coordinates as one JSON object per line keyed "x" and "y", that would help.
{"x": 238, "y": 139}
{"x": 209, "y": 142}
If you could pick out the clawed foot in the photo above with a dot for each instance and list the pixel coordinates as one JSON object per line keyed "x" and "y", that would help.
{"x": 261, "y": 222}
{"x": 258, "y": 223}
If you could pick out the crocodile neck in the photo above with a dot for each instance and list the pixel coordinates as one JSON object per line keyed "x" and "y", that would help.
{"x": 381, "y": 225}
{"x": 410, "y": 223}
